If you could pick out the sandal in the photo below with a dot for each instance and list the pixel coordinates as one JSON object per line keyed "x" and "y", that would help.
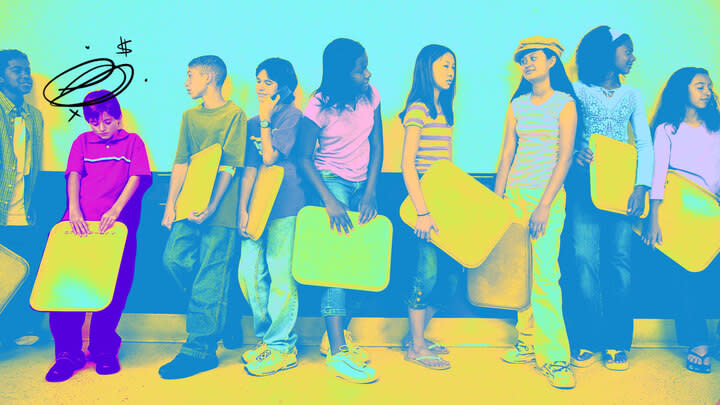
{"x": 616, "y": 360}
{"x": 583, "y": 358}
{"x": 419, "y": 360}
{"x": 432, "y": 346}
{"x": 698, "y": 368}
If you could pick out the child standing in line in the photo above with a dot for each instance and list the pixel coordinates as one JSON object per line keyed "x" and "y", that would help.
{"x": 428, "y": 119}
{"x": 344, "y": 118}
{"x": 107, "y": 174}
{"x": 199, "y": 248}
{"x": 539, "y": 134}
{"x": 687, "y": 139}
{"x": 265, "y": 264}
{"x": 600, "y": 314}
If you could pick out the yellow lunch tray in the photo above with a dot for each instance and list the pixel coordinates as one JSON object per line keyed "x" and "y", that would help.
{"x": 265, "y": 190}
{"x": 359, "y": 261}
{"x": 504, "y": 280}
{"x": 78, "y": 273}
{"x": 689, "y": 219}
{"x": 471, "y": 218}
{"x": 612, "y": 174}
{"x": 13, "y": 271}
{"x": 199, "y": 182}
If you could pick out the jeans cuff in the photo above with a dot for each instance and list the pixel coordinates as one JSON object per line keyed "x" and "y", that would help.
{"x": 333, "y": 312}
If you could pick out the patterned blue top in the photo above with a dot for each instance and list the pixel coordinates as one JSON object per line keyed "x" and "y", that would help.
{"x": 609, "y": 115}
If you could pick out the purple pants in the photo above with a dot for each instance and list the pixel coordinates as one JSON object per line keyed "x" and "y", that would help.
{"x": 66, "y": 327}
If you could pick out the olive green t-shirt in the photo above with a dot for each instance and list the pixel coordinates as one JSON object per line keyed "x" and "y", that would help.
{"x": 203, "y": 127}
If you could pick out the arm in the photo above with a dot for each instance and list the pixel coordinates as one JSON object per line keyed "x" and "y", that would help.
{"x": 567, "y": 127}
{"x": 643, "y": 143}
{"x": 77, "y": 221}
{"x": 269, "y": 154}
{"x": 177, "y": 178}
{"x": 246, "y": 186}
{"x": 652, "y": 233}
{"x": 507, "y": 154}
{"x": 368, "y": 203}
{"x": 110, "y": 216}
{"x": 308, "y": 136}
{"x": 412, "y": 182}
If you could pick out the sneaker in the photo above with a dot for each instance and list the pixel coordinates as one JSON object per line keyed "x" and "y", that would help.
{"x": 355, "y": 350}
{"x": 183, "y": 366}
{"x": 558, "y": 374}
{"x": 65, "y": 366}
{"x": 106, "y": 363}
{"x": 345, "y": 365}
{"x": 583, "y": 358}
{"x": 520, "y": 354}
{"x": 250, "y": 355}
{"x": 271, "y": 361}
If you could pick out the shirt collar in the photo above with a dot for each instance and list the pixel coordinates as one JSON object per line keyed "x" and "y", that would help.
{"x": 10, "y": 109}
{"x": 118, "y": 136}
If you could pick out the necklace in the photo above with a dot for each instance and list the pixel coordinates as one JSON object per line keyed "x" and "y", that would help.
{"x": 608, "y": 93}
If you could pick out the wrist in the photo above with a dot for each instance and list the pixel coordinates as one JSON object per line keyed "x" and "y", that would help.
{"x": 264, "y": 122}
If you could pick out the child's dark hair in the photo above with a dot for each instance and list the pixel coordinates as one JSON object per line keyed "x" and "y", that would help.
{"x": 212, "y": 63}
{"x": 281, "y": 72}
{"x": 6, "y": 55}
{"x": 423, "y": 84}
{"x": 595, "y": 55}
{"x": 110, "y": 105}
{"x": 559, "y": 81}
{"x": 675, "y": 99}
{"x": 336, "y": 88}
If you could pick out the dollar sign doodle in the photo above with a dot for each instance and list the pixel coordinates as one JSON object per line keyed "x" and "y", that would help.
{"x": 122, "y": 46}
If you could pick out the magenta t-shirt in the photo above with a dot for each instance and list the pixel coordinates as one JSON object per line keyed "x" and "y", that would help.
{"x": 105, "y": 165}
{"x": 344, "y": 145}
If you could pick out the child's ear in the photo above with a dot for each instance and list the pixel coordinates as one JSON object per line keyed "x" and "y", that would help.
{"x": 553, "y": 60}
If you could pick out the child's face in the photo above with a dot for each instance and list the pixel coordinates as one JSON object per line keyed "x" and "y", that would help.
{"x": 105, "y": 126}
{"x": 535, "y": 65}
{"x": 360, "y": 75}
{"x": 265, "y": 87}
{"x": 16, "y": 77}
{"x": 624, "y": 57}
{"x": 444, "y": 71}
{"x": 700, "y": 91}
{"x": 197, "y": 82}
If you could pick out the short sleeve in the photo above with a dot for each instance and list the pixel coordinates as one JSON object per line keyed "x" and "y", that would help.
{"x": 139, "y": 163}
{"x": 314, "y": 111}
{"x": 76, "y": 159}
{"x": 284, "y": 132}
{"x": 234, "y": 147}
{"x": 182, "y": 155}
{"x": 416, "y": 115}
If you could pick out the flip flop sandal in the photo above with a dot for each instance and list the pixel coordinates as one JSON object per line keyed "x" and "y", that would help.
{"x": 611, "y": 362}
{"x": 419, "y": 361}
{"x": 698, "y": 368}
{"x": 432, "y": 346}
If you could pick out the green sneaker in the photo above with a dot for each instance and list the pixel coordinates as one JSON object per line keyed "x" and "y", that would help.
{"x": 558, "y": 374}
{"x": 520, "y": 354}
{"x": 345, "y": 365}
{"x": 355, "y": 350}
{"x": 250, "y": 355}
{"x": 270, "y": 362}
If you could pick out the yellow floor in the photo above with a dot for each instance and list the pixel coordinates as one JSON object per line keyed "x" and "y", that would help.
{"x": 656, "y": 376}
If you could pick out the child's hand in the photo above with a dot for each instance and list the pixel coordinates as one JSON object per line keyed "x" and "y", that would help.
{"x": 583, "y": 157}
{"x": 242, "y": 223}
{"x": 200, "y": 217}
{"x": 636, "y": 202}
{"x": 652, "y": 234}
{"x": 78, "y": 224}
{"x": 424, "y": 225}
{"x": 266, "y": 105}
{"x": 338, "y": 217}
{"x": 538, "y": 221}
{"x": 368, "y": 209}
{"x": 108, "y": 220}
{"x": 168, "y": 217}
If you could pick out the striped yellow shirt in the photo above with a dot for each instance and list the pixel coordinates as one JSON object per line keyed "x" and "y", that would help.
{"x": 435, "y": 136}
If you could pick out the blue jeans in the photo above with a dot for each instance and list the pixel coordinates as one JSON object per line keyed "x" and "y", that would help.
{"x": 600, "y": 315}
{"x": 332, "y": 301}
{"x": 198, "y": 257}
{"x": 265, "y": 277}
{"x": 429, "y": 287}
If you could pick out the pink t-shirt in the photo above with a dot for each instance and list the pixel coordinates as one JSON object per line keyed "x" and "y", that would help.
{"x": 344, "y": 137}
{"x": 105, "y": 165}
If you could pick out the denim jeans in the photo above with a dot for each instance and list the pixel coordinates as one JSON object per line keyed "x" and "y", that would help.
{"x": 542, "y": 324}
{"x": 600, "y": 311}
{"x": 266, "y": 279}
{"x": 198, "y": 257}
{"x": 430, "y": 286}
{"x": 332, "y": 301}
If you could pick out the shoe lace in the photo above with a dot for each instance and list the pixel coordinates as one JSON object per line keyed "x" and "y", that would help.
{"x": 558, "y": 367}
{"x": 521, "y": 347}
{"x": 260, "y": 347}
{"x": 264, "y": 355}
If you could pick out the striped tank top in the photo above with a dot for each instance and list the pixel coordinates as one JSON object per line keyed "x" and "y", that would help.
{"x": 537, "y": 128}
{"x": 435, "y": 136}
